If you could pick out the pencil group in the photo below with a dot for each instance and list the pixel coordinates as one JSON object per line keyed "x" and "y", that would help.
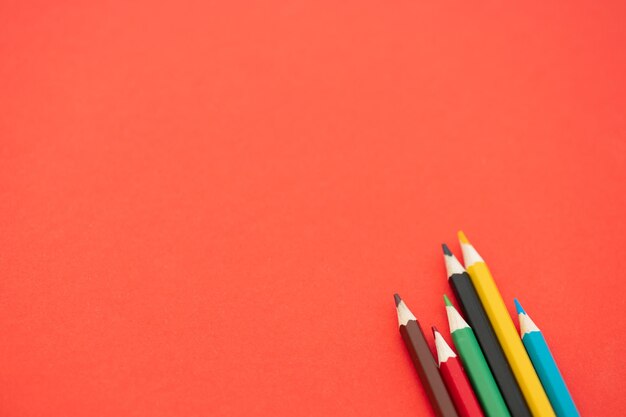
{"x": 423, "y": 361}
{"x": 474, "y": 313}
{"x": 494, "y": 372}
{"x": 455, "y": 379}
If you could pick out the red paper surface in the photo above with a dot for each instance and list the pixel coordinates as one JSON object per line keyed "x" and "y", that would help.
{"x": 205, "y": 207}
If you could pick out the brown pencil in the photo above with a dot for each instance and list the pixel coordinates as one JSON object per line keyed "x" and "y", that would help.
{"x": 423, "y": 361}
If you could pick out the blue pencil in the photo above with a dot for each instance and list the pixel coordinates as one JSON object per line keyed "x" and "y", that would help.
{"x": 546, "y": 368}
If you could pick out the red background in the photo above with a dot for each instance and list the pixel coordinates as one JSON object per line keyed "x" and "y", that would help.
{"x": 205, "y": 207}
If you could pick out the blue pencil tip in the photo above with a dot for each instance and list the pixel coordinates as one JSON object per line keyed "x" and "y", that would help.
{"x": 519, "y": 307}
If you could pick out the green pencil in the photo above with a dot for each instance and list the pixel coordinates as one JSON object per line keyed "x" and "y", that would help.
{"x": 475, "y": 364}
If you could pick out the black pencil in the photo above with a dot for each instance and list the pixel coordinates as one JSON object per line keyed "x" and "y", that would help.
{"x": 477, "y": 318}
{"x": 424, "y": 361}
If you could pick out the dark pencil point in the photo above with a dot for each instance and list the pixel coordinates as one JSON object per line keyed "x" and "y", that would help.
{"x": 397, "y": 298}
{"x": 435, "y": 330}
{"x": 446, "y": 250}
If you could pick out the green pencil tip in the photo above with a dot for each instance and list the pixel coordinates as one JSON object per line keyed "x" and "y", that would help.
{"x": 518, "y": 306}
{"x": 447, "y": 301}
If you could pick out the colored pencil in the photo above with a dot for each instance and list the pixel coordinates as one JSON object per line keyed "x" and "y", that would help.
{"x": 504, "y": 328}
{"x": 455, "y": 379}
{"x": 475, "y": 364}
{"x": 545, "y": 365}
{"x": 475, "y": 315}
{"x": 423, "y": 361}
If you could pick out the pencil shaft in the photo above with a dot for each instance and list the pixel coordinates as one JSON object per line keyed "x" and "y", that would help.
{"x": 549, "y": 374}
{"x": 427, "y": 369}
{"x": 460, "y": 389}
{"x": 510, "y": 342}
{"x": 479, "y": 373}
{"x": 477, "y": 318}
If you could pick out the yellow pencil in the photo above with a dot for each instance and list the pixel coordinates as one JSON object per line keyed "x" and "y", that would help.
{"x": 505, "y": 331}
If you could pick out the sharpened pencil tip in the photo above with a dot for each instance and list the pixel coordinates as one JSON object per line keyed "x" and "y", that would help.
{"x": 397, "y": 299}
{"x": 518, "y": 306}
{"x": 435, "y": 330}
{"x": 447, "y": 300}
{"x": 446, "y": 249}
{"x": 462, "y": 237}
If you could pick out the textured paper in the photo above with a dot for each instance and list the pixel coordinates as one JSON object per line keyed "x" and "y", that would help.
{"x": 206, "y": 207}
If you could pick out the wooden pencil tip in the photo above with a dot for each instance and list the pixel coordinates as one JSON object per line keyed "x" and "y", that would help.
{"x": 446, "y": 249}
{"x": 435, "y": 330}
{"x": 462, "y": 237}
{"x": 397, "y": 299}
{"x": 447, "y": 300}
{"x": 518, "y": 307}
